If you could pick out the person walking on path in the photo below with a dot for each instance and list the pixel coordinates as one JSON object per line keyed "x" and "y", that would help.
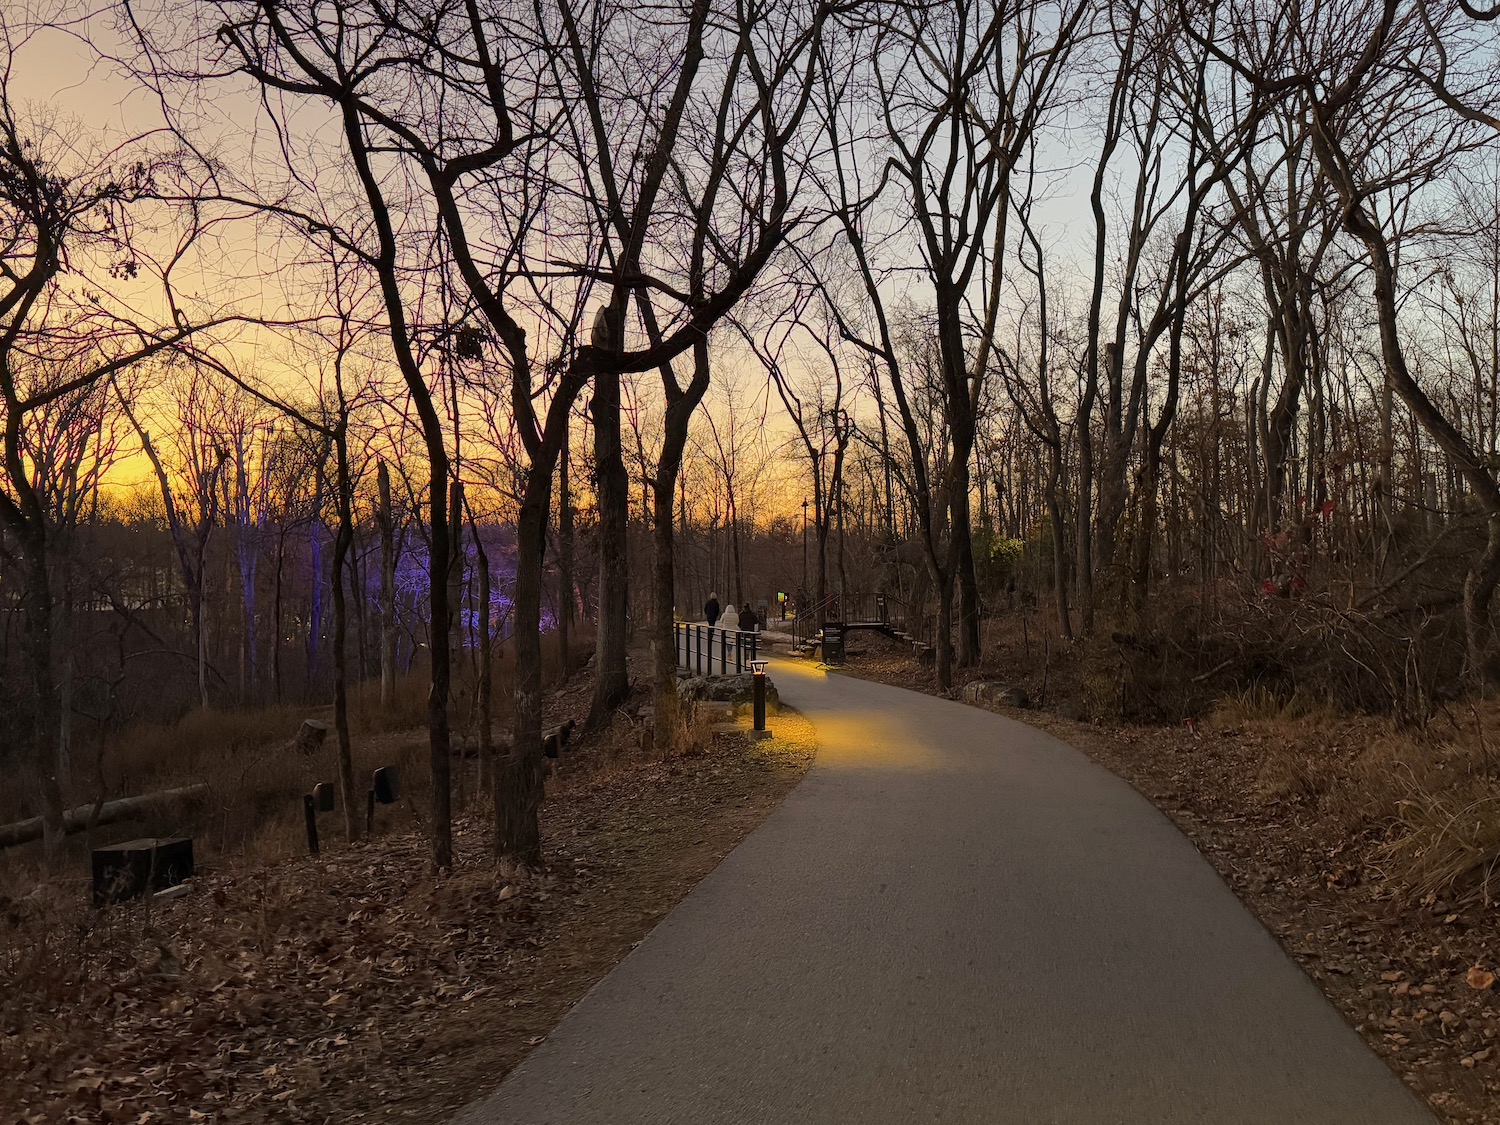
{"x": 749, "y": 622}
{"x": 730, "y": 618}
{"x": 711, "y": 610}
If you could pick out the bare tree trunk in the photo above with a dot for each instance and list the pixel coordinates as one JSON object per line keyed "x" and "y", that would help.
{"x": 1059, "y": 533}
{"x": 438, "y": 734}
{"x": 820, "y": 588}
{"x": 343, "y": 537}
{"x": 611, "y": 680}
{"x": 38, "y": 621}
{"x": 486, "y": 648}
{"x": 518, "y": 780}
{"x": 564, "y": 557}
{"x": 357, "y": 589}
{"x": 1479, "y": 590}
{"x": 666, "y": 709}
{"x": 387, "y": 591}
{"x": 313, "y": 642}
{"x": 680, "y": 406}
{"x": 276, "y": 613}
{"x": 943, "y": 580}
{"x": 456, "y": 560}
{"x": 200, "y": 630}
{"x": 1083, "y": 530}
{"x": 247, "y": 547}
{"x": 735, "y": 551}
{"x": 961, "y": 555}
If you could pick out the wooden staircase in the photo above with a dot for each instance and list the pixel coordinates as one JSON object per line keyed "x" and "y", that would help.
{"x": 867, "y": 612}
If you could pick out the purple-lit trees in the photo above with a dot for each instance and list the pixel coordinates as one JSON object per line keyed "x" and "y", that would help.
{"x": 522, "y": 157}
{"x": 441, "y": 168}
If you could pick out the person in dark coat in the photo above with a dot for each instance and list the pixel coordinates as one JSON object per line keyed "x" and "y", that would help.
{"x": 711, "y": 609}
{"x": 749, "y": 619}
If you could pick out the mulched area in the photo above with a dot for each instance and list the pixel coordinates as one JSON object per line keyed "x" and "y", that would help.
{"x": 356, "y": 986}
{"x": 1415, "y": 978}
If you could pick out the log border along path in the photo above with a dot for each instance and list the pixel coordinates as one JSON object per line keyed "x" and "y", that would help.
{"x": 955, "y": 918}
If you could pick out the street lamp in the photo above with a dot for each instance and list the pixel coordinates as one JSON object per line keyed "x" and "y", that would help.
{"x": 804, "y": 551}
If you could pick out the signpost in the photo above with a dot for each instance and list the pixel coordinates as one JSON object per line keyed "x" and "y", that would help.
{"x": 833, "y": 642}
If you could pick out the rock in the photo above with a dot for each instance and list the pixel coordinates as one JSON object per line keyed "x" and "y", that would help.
{"x": 990, "y": 693}
{"x": 733, "y": 690}
{"x": 1014, "y": 697}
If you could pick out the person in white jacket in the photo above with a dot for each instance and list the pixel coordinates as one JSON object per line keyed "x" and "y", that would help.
{"x": 730, "y": 618}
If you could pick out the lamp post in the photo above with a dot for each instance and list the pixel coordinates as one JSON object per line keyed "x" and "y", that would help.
{"x": 804, "y": 550}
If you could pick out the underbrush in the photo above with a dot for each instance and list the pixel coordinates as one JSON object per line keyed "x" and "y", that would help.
{"x": 1201, "y": 645}
{"x": 255, "y": 776}
{"x": 50, "y": 937}
{"x": 1357, "y": 712}
{"x": 1425, "y": 800}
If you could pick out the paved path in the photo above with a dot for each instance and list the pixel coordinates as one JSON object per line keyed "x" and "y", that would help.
{"x": 954, "y": 918}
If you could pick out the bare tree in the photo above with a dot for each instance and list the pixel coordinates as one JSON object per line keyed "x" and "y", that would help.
{"x": 67, "y": 241}
{"x": 1355, "y": 85}
{"x": 691, "y": 193}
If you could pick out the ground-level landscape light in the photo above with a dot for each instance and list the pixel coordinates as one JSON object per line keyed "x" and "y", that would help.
{"x": 758, "y": 679}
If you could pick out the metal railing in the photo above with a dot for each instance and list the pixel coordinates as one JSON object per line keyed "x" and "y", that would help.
{"x": 700, "y": 647}
{"x": 855, "y": 608}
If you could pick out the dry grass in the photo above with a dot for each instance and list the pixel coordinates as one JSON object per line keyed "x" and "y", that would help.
{"x": 1427, "y": 799}
{"x": 256, "y": 777}
{"x": 1260, "y": 704}
{"x": 1451, "y": 847}
{"x": 1446, "y": 784}
{"x": 356, "y": 986}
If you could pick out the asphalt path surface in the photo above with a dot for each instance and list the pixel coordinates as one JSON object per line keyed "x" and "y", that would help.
{"x": 953, "y": 918}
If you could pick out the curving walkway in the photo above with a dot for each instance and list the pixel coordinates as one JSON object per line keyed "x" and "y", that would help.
{"x": 954, "y": 918}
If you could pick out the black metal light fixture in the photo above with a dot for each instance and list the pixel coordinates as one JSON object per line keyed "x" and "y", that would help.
{"x": 758, "y": 679}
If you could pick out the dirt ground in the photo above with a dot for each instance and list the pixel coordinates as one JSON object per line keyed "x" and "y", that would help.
{"x": 356, "y": 986}
{"x": 1415, "y": 976}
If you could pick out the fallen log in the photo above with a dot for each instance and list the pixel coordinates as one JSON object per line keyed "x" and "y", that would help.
{"x": 76, "y": 820}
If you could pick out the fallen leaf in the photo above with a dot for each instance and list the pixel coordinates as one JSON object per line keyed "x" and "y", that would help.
{"x": 1479, "y": 979}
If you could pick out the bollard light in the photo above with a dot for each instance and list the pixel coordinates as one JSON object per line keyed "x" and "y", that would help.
{"x": 758, "y": 678}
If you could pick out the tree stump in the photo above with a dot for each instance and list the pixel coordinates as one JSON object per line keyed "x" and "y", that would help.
{"x": 310, "y": 735}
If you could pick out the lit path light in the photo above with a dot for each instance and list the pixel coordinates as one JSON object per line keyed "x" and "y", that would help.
{"x": 953, "y": 918}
